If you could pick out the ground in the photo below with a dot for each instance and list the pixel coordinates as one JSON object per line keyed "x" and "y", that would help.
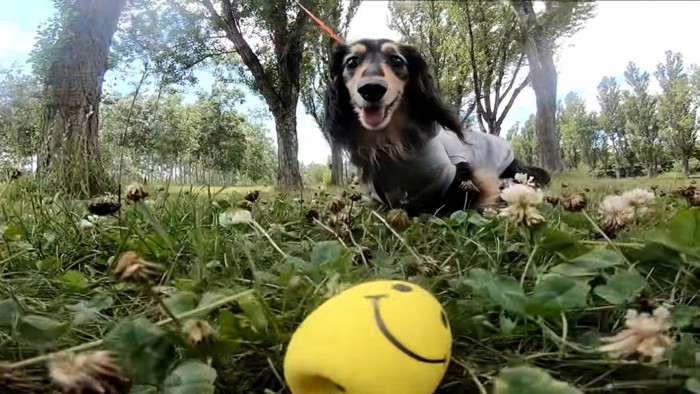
{"x": 206, "y": 284}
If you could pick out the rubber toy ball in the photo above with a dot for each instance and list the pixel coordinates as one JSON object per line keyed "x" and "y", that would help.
{"x": 377, "y": 337}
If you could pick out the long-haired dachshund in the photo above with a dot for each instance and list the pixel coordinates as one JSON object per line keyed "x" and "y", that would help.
{"x": 383, "y": 107}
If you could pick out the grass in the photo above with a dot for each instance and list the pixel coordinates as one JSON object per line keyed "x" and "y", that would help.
{"x": 509, "y": 297}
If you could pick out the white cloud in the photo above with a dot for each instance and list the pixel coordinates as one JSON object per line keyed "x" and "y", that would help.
{"x": 14, "y": 39}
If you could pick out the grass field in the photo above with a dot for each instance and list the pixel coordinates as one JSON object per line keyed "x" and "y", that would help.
{"x": 527, "y": 305}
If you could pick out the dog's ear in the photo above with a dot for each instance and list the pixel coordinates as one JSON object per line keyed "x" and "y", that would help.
{"x": 339, "y": 52}
{"x": 425, "y": 97}
{"x": 337, "y": 107}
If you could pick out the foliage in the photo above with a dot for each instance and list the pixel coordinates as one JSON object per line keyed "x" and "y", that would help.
{"x": 581, "y": 140}
{"x": 513, "y": 294}
{"x": 20, "y": 115}
{"x": 636, "y": 132}
{"x": 430, "y": 27}
{"x": 677, "y": 111}
{"x": 210, "y": 134}
{"x": 640, "y": 115}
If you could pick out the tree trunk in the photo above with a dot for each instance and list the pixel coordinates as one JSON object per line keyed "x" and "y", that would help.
{"x": 288, "y": 175}
{"x": 70, "y": 158}
{"x": 685, "y": 165}
{"x": 337, "y": 177}
{"x": 543, "y": 75}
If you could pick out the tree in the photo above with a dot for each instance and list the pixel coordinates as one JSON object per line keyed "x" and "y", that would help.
{"x": 578, "y": 132}
{"x": 20, "y": 115}
{"x": 524, "y": 141}
{"x": 75, "y": 64}
{"x": 612, "y": 120}
{"x": 496, "y": 58}
{"x": 316, "y": 73}
{"x": 641, "y": 122}
{"x": 538, "y": 35}
{"x": 275, "y": 67}
{"x": 677, "y": 112}
{"x": 430, "y": 27}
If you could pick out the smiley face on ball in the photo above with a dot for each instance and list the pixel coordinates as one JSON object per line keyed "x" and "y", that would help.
{"x": 376, "y": 337}
{"x": 386, "y": 310}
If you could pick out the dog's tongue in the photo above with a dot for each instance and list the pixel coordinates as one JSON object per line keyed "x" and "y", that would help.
{"x": 373, "y": 116}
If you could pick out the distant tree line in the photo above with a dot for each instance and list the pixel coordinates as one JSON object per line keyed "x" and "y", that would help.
{"x": 635, "y": 132}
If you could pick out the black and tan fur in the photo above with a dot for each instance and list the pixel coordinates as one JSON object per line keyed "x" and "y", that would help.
{"x": 366, "y": 69}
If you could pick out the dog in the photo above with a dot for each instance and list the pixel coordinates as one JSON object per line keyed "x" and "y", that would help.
{"x": 382, "y": 106}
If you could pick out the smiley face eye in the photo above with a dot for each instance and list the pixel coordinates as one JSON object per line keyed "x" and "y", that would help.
{"x": 402, "y": 288}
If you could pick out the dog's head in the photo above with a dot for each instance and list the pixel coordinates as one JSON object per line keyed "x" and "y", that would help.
{"x": 381, "y": 92}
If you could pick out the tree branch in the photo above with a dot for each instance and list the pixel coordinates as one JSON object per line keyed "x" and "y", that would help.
{"x": 230, "y": 24}
{"x": 475, "y": 76}
{"x": 515, "y": 94}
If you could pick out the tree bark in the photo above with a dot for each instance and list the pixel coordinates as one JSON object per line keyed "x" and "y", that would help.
{"x": 69, "y": 158}
{"x": 288, "y": 174}
{"x": 685, "y": 165}
{"x": 543, "y": 75}
{"x": 337, "y": 177}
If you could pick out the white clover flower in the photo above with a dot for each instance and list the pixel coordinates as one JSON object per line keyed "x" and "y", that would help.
{"x": 646, "y": 335}
{"x": 617, "y": 212}
{"x": 639, "y": 199}
{"x": 91, "y": 221}
{"x": 236, "y": 216}
{"x": 522, "y": 204}
{"x": 524, "y": 179}
{"x": 519, "y": 194}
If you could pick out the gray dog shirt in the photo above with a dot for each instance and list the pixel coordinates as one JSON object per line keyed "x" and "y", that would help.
{"x": 428, "y": 173}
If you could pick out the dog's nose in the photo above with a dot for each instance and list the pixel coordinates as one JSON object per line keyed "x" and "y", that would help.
{"x": 372, "y": 91}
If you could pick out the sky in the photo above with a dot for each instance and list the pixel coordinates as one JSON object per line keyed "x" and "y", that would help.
{"x": 621, "y": 31}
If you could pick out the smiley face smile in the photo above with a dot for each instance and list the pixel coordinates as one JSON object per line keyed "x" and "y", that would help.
{"x": 391, "y": 338}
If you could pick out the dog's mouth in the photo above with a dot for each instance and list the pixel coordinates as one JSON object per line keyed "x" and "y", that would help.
{"x": 375, "y": 116}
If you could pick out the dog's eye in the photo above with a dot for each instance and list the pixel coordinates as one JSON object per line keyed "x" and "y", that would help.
{"x": 396, "y": 61}
{"x": 351, "y": 63}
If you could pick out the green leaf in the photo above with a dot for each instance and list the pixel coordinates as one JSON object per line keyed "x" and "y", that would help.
{"x": 693, "y": 385}
{"x": 85, "y": 311}
{"x": 40, "y": 330}
{"x": 684, "y": 315}
{"x": 191, "y": 377}
{"x": 556, "y": 294}
{"x": 254, "y": 311}
{"x": 683, "y": 354}
{"x": 622, "y": 287}
{"x": 299, "y": 265}
{"x": 506, "y": 325}
{"x": 503, "y": 290}
{"x": 325, "y": 252}
{"x": 562, "y": 243}
{"x": 181, "y": 302}
{"x": 143, "y": 390}
{"x": 590, "y": 263}
{"x": 524, "y": 380}
{"x": 74, "y": 281}
{"x": 682, "y": 233}
{"x": 9, "y": 314}
{"x": 144, "y": 350}
{"x": 458, "y": 217}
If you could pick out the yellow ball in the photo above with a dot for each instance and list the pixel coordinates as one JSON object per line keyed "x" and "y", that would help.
{"x": 376, "y": 337}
